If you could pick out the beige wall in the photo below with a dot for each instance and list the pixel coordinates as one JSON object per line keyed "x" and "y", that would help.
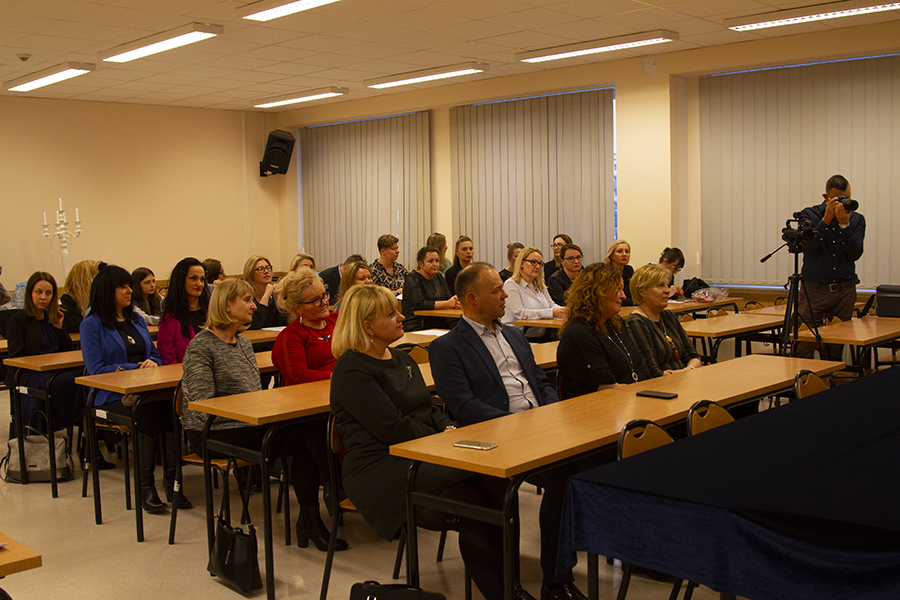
{"x": 152, "y": 184}
{"x": 155, "y": 184}
{"x": 658, "y": 169}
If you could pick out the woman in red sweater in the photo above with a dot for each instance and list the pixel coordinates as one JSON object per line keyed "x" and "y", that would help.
{"x": 302, "y": 353}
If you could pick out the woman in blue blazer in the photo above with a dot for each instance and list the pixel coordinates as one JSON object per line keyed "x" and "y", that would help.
{"x": 114, "y": 338}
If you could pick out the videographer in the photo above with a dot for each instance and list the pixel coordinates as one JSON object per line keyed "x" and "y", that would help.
{"x": 829, "y": 269}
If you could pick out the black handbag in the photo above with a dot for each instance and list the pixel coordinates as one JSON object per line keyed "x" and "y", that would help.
{"x": 372, "y": 590}
{"x": 692, "y": 285}
{"x": 234, "y": 557}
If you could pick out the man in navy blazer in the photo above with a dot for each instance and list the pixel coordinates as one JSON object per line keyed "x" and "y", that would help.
{"x": 331, "y": 276}
{"x": 483, "y": 370}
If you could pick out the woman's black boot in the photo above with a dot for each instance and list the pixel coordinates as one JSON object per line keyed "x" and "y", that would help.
{"x": 173, "y": 455}
{"x": 311, "y": 527}
{"x": 149, "y": 498}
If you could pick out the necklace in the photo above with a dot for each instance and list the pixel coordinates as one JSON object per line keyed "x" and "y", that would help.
{"x": 312, "y": 332}
{"x": 621, "y": 346}
{"x": 661, "y": 329}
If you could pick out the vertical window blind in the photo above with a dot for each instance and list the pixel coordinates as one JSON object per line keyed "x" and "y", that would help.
{"x": 364, "y": 179}
{"x": 770, "y": 139}
{"x": 525, "y": 170}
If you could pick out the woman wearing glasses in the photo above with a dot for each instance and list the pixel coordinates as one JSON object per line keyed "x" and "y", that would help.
{"x": 528, "y": 296}
{"x": 664, "y": 344}
{"x": 673, "y": 261}
{"x": 302, "y": 354}
{"x": 619, "y": 255}
{"x": 561, "y": 281}
{"x": 425, "y": 289}
{"x": 258, "y": 273}
{"x": 560, "y": 240}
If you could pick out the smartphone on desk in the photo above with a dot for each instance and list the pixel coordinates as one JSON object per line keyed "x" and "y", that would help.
{"x": 474, "y": 445}
{"x": 655, "y": 394}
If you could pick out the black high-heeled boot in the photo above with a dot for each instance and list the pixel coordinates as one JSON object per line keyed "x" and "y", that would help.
{"x": 149, "y": 498}
{"x": 173, "y": 454}
{"x": 311, "y": 527}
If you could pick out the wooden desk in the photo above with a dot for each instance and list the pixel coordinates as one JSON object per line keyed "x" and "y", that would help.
{"x": 722, "y": 328}
{"x": 687, "y": 306}
{"x": 548, "y": 434}
{"x": 260, "y": 336}
{"x": 863, "y": 334}
{"x": 548, "y": 323}
{"x": 4, "y": 347}
{"x": 16, "y": 557}
{"x": 153, "y": 329}
{"x": 451, "y": 313}
{"x": 47, "y": 362}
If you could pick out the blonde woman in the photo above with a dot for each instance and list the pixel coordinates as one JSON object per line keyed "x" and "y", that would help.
{"x": 439, "y": 241}
{"x": 378, "y": 399}
{"x": 551, "y": 267}
{"x": 528, "y": 296}
{"x": 258, "y": 273}
{"x": 75, "y": 301}
{"x": 358, "y": 273}
{"x": 303, "y": 260}
{"x": 619, "y": 255}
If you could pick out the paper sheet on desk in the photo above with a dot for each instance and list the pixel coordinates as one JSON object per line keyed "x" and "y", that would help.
{"x": 274, "y": 328}
{"x": 434, "y": 332}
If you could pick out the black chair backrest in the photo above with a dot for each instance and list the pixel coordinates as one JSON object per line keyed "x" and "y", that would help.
{"x": 5, "y": 315}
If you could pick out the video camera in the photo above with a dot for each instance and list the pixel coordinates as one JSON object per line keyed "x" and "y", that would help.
{"x": 795, "y": 237}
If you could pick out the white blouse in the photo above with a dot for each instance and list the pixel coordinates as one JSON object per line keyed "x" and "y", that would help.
{"x": 525, "y": 302}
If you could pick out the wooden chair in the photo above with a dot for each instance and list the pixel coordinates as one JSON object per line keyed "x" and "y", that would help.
{"x": 752, "y": 305}
{"x": 780, "y": 300}
{"x": 865, "y": 311}
{"x": 418, "y": 352}
{"x": 639, "y": 436}
{"x": 807, "y": 383}
{"x": 714, "y": 313}
{"x": 223, "y": 465}
{"x": 705, "y": 415}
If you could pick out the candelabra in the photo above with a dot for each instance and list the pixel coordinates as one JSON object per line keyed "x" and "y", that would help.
{"x": 63, "y": 234}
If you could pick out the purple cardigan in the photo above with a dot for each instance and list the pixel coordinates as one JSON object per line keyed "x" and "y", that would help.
{"x": 170, "y": 342}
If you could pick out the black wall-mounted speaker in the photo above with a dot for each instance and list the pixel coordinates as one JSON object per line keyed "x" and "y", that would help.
{"x": 277, "y": 156}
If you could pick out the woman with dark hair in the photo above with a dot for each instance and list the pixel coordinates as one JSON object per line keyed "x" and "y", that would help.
{"x": 215, "y": 272}
{"x": 595, "y": 350}
{"x": 184, "y": 311}
{"x": 146, "y": 301}
{"x": 37, "y": 329}
{"x": 512, "y": 253}
{"x": 464, "y": 252}
{"x": 425, "y": 289}
{"x": 386, "y": 271}
{"x": 358, "y": 273}
{"x": 115, "y": 338}
{"x": 551, "y": 267}
{"x": 673, "y": 260}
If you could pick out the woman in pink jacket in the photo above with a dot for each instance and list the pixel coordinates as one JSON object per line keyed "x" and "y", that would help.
{"x": 184, "y": 310}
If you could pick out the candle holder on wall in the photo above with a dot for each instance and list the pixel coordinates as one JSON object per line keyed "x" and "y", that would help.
{"x": 63, "y": 234}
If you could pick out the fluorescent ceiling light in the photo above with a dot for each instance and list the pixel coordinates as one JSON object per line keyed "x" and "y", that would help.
{"x": 596, "y": 46}
{"x": 167, "y": 40}
{"x": 427, "y": 75}
{"x": 49, "y": 76}
{"x": 274, "y": 9}
{"x": 808, "y": 14}
{"x": 308, "y": 96}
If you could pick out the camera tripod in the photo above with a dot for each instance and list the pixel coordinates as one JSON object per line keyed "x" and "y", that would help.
{"x": 792, "y": 318}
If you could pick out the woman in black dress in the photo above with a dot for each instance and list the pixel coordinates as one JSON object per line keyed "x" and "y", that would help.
{"x": 425, "y": 289}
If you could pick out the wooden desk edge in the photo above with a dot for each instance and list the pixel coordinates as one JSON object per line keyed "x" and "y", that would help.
{"x": 16, "y": 557}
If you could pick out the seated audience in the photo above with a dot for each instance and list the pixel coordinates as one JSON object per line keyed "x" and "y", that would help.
{"x": 37, "y": 329}
{"x": 386, "y": 271}
{"x": 657, "y": 331}
{"x": 484, "y": 370}
{"x": 146, "y": 301}
{"x": 358, "y": 273}
{"x": 258, "y": 273}
{"x": 512, "y": 252}
{"x": 673, "y": 260}
{"x": 595, "y": 350}
{"x": 332, "y": 277}
{"x": 215, "y": 272}
{"x": 618, "y": 255}
{"x": 184, "y": 310}
{"x": 425, "y": 289}
{"x": 303, "y": 260}
{"x": 464, "y": 252}
{"x": 77, "y": 298}
{"x": 528, "y": 296}
{"x": 220, "y": 362}
{"x": 439, "y": 241}
{"x": 114, "y": 338}
{"x": 560, "y": 240}
{"x": 561, "y": 281}
{"x": 302, "y": 353}
{"x": 378, "y": 399}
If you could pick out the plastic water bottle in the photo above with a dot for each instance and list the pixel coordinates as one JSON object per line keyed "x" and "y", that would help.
{"x": 20, "y": 295}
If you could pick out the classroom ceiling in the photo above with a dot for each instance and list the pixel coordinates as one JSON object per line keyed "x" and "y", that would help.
{"x": 341, "y": 44}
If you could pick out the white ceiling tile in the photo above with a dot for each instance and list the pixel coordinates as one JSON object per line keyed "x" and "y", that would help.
{"x": 586, "y": 30}
{"x": 479, "y": 9}
{"x": 362, "y": 11}
{"x": 595, "y": 8}
{"x": 710, "y": 8}
{"x": 320, "y": 43}
{"x": 290, "y": 68}
{"x": 238, "y": 62}
{"x": 715, "y": 38}
{"x": 526, "y": 19}
{"x": 373, "y": 50}
{"x": 279, "y": 53}
{"x": 474, "y": 30}
{"x": 422, "y": 20}
{"x": 527, "y": 39}
{"x": 645, "y": 19}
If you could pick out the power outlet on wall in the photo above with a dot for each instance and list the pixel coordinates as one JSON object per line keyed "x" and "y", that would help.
{"x": 650, "y": 66}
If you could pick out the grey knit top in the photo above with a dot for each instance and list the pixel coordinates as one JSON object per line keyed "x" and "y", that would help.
{"x": 213, "y": 368}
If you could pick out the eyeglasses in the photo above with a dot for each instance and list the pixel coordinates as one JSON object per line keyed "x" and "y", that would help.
{"x": 557, "y": 245}
{"x": 317, "y": 302}
{"x": 535, "y": 263}
{"x": 573, "y": 258}
{"x": 677, "y": 270}
{"x": 266, "y": 269}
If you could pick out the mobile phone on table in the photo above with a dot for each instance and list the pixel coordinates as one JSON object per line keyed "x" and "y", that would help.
{"x": 475, "y": 445}
{"x": 655, "y": 394}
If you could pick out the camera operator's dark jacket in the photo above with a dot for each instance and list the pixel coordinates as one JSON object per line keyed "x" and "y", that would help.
{"x": 830, "y": 256}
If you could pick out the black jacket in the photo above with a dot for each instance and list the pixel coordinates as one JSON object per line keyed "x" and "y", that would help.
{"x": 24, "y": 339}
